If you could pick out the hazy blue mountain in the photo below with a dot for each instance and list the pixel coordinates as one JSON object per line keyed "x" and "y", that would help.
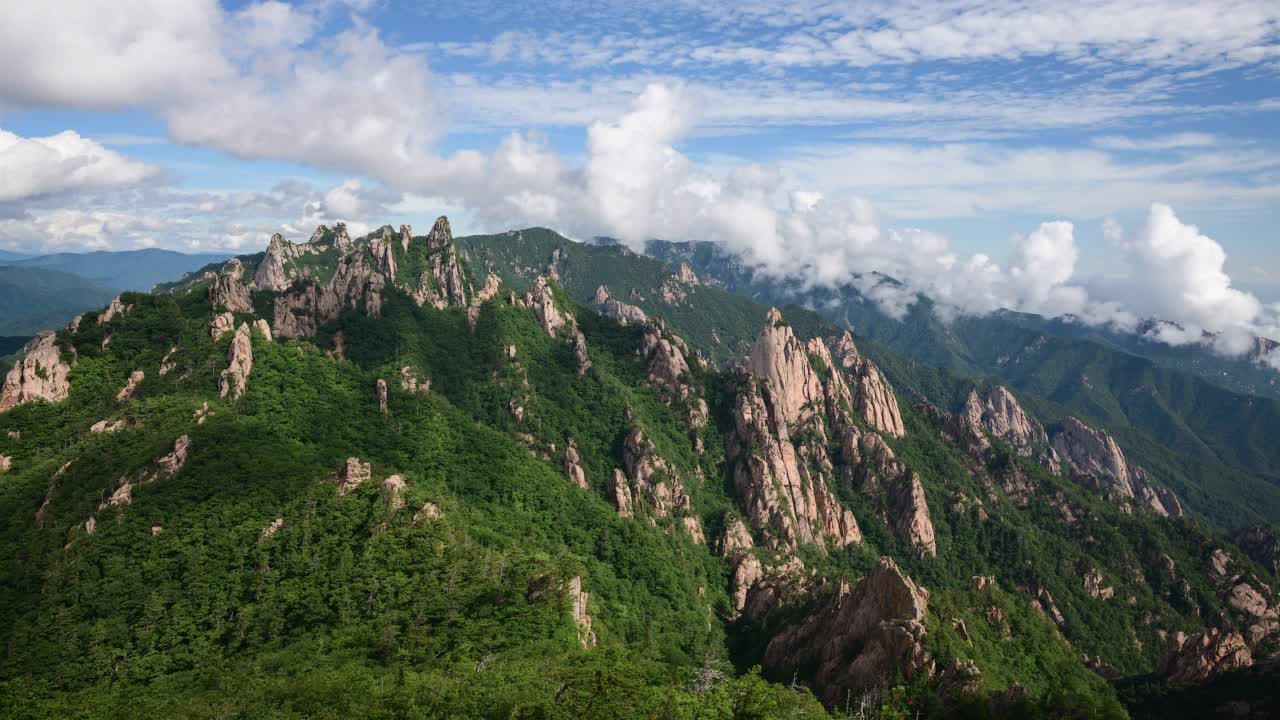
{"x": 126, "y": 270}
{"x": 33, "y": 298}
{"x": 8, "y": 255}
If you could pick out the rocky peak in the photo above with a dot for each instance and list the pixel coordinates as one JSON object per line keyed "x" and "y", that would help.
{"x": 406, "y": 237}
{"x": 781, "y": 361}
{"x": 877, "y": 474}
{"x": 1097, "y": 462}
{"x": 271, "y": 274}
{"x": 40, "y": 375}
{"x": 227, "y": 289}
{"x": 446, "y": 271}
{"x": 845, "y": 351}
{"x": 622, "y": 312}
{"x": 341, "y": 238}
{"x": 787, "y": 501}
{"x": 492, "y": 283}
{"x": 858, "y": 637}
{"x": 1001, "y": 415}
{"x": 685, "y": 275}
{"x": 543, "y": 303}
{"x": 114, "y": 310}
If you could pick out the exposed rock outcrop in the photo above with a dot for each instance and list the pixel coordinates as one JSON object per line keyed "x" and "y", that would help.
{"x": 41, "y": 375}
{"x": 781, "y": 361}
{"x": 1194, "y": 658}
{"x": 578, "y": 600}
{"x": 227, "y": 290}
{"x": 444, "y": 288}
{"x": 877, "y": 474}
{"x": 393, "y": 489}
{"x": 429, "y": 512}
{"x": 235, "y": 379}
{"x": 114, "y": 310}
{"x": 168, "y": 363}
{"x": 651, "y": 483}
{"x": 858, "y": 637}
{"x": 271, "y": 529}
{"x": 1261, "y": 545}
{"x": 785, "y": 500}
{"x": 221, "y": 324}
{"x": 1095, "y": 586}
{"x": 1096, "y": 461}
{"x": 543, "y": 303}
{"x": 873, "y": 398}
{"x": 6, "y": 463}
{"x": 163, "y": 468}
{"x": 685, "y": 275}
{"x": 263, "y": 329}
{"x": 351, "y": 474}
{"x": 106, "y": 426}
{"x": 411, "y": 383}
{"x": 130, "y": 385}
{"x": 572, "y": 469}
{"x": 1002, "y": 415}
{"x": 380, "y": 390}
{"x": 622, "y": 312}
{"x": 492, "y": 283}
{"x": 356, "y": 283}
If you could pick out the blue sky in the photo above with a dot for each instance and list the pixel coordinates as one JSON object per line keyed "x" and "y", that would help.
{"x": 938, "y": 135}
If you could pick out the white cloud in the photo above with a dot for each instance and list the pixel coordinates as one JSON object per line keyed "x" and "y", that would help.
{"x": 43, "y": 165}
{"x": 84, "y": 53}
{"x": 1177, "y": 275}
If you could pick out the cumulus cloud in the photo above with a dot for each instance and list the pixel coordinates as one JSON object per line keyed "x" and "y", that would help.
{"x": 43, "y": 165}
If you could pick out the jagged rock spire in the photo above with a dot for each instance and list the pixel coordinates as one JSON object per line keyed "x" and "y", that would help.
{"x": 1097, "y": 461}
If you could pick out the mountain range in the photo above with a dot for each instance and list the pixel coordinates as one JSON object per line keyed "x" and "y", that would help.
{"x": 516, "y": 476}
{"x": 46, "y": 291}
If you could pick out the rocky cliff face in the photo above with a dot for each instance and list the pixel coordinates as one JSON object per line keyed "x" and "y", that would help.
{"x": 651, "y": 486}
{"x": 41, "y": 375}
{"x": 611, "y": 307}
{"x": 858, "y": 636}
{"x": 235, "y": 379}
{"x": 447, "y": 281}
{"x": 873, "y": 469}
{"x": 1194, "y": 658}
{"x": 1000, "y": 414}
{"x": 227, "y": 290}
{"x": 1261, "y": 545}
{"x": 786, "y": 501}
{"x": 1096, "y": 461}
{"x": 873, "y": 397}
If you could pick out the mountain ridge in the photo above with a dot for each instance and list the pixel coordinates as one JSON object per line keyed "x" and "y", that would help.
{"x": 353, "y": 459}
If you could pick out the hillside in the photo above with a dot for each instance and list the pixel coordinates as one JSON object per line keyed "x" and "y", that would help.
{"x": 353, "y": 477}
{"x": 1208, "y": 443}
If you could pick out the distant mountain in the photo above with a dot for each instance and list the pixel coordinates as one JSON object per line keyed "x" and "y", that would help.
{"x": 138, "y": 270}
{"x": 38, "y": 293}
{"x": 970, "y": 345}
{"x": 8, "y": 255}
{"x": 33, "y": 298}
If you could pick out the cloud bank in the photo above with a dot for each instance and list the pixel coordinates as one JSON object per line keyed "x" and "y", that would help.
{"x": 276, "y": 81}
